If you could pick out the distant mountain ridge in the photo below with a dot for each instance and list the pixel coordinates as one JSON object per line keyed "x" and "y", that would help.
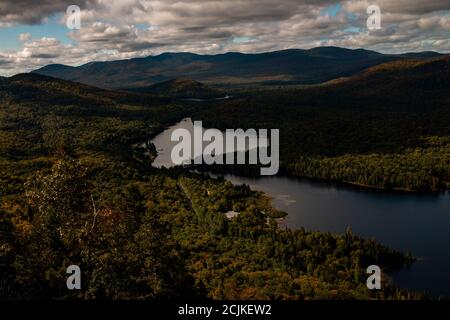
{"x": 299, "y": 66}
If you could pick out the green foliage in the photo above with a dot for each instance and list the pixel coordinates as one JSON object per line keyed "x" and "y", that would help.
{"x": 387, "y": 127}
{"x": 419, "y": 169}
{"x": 74, "y": 190}
{"x": 181, "y": 88}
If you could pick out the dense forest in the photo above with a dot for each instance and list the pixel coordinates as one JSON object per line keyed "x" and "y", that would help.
{"x": 73, "y": 191}
{"x": 387, "y": 127}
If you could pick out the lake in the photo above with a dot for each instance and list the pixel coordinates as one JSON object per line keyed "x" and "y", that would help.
{"x": 416, "y": 223}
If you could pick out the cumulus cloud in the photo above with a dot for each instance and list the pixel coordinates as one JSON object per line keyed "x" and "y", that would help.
{"x": 25, "y": 36}
{"x": 119, "y": 29}
{"x": 34, "y": 11}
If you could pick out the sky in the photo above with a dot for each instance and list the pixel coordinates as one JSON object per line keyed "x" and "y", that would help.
{"x": 33, "y": 33}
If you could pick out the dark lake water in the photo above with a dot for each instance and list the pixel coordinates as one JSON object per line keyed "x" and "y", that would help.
{"x": 419, "y": 224}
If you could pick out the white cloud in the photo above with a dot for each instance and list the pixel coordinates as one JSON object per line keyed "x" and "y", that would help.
{"x": 119, "y": 29}
{"x": 25, "y": 36}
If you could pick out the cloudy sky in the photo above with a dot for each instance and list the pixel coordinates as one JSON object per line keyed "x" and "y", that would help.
{"x": 33, "y": 33}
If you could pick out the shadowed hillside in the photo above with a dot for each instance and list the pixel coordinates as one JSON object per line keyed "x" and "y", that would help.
{"x": 428, "y": 76}
{"x": 386, "y": 127}
{"x": 182, "y": 88}
{"x": 41, "y": 115}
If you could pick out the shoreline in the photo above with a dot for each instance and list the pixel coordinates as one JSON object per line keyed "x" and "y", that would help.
{"x": 340, "y": 183}
{"x": 285, "y": 172}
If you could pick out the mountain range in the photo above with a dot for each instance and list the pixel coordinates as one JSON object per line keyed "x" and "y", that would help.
{"x": 293, "y": 66}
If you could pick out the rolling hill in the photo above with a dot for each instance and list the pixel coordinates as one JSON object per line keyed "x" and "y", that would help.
{"x": 293, "y": 66}
{"x": 181, "y": 88}
{"x": 386, "y": 127}
{"x": 44, "y": 90}
{"x": 399, "y": 78}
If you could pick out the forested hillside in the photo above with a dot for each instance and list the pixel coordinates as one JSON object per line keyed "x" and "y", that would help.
{"x": 73, "y": 191}
{"x": 181, "y": 88}
{"x": 387, "y": 127}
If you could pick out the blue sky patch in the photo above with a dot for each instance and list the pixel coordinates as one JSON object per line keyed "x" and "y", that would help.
{"x": 52, "y": 28}
{"x": 332, "y": 10}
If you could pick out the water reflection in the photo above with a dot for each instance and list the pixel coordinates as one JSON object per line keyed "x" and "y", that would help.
{"x": 415, "y": 223}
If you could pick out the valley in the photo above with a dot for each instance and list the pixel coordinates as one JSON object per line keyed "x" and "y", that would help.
{"x": 74, "y": 191}
{"x": 406, "y": 221}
